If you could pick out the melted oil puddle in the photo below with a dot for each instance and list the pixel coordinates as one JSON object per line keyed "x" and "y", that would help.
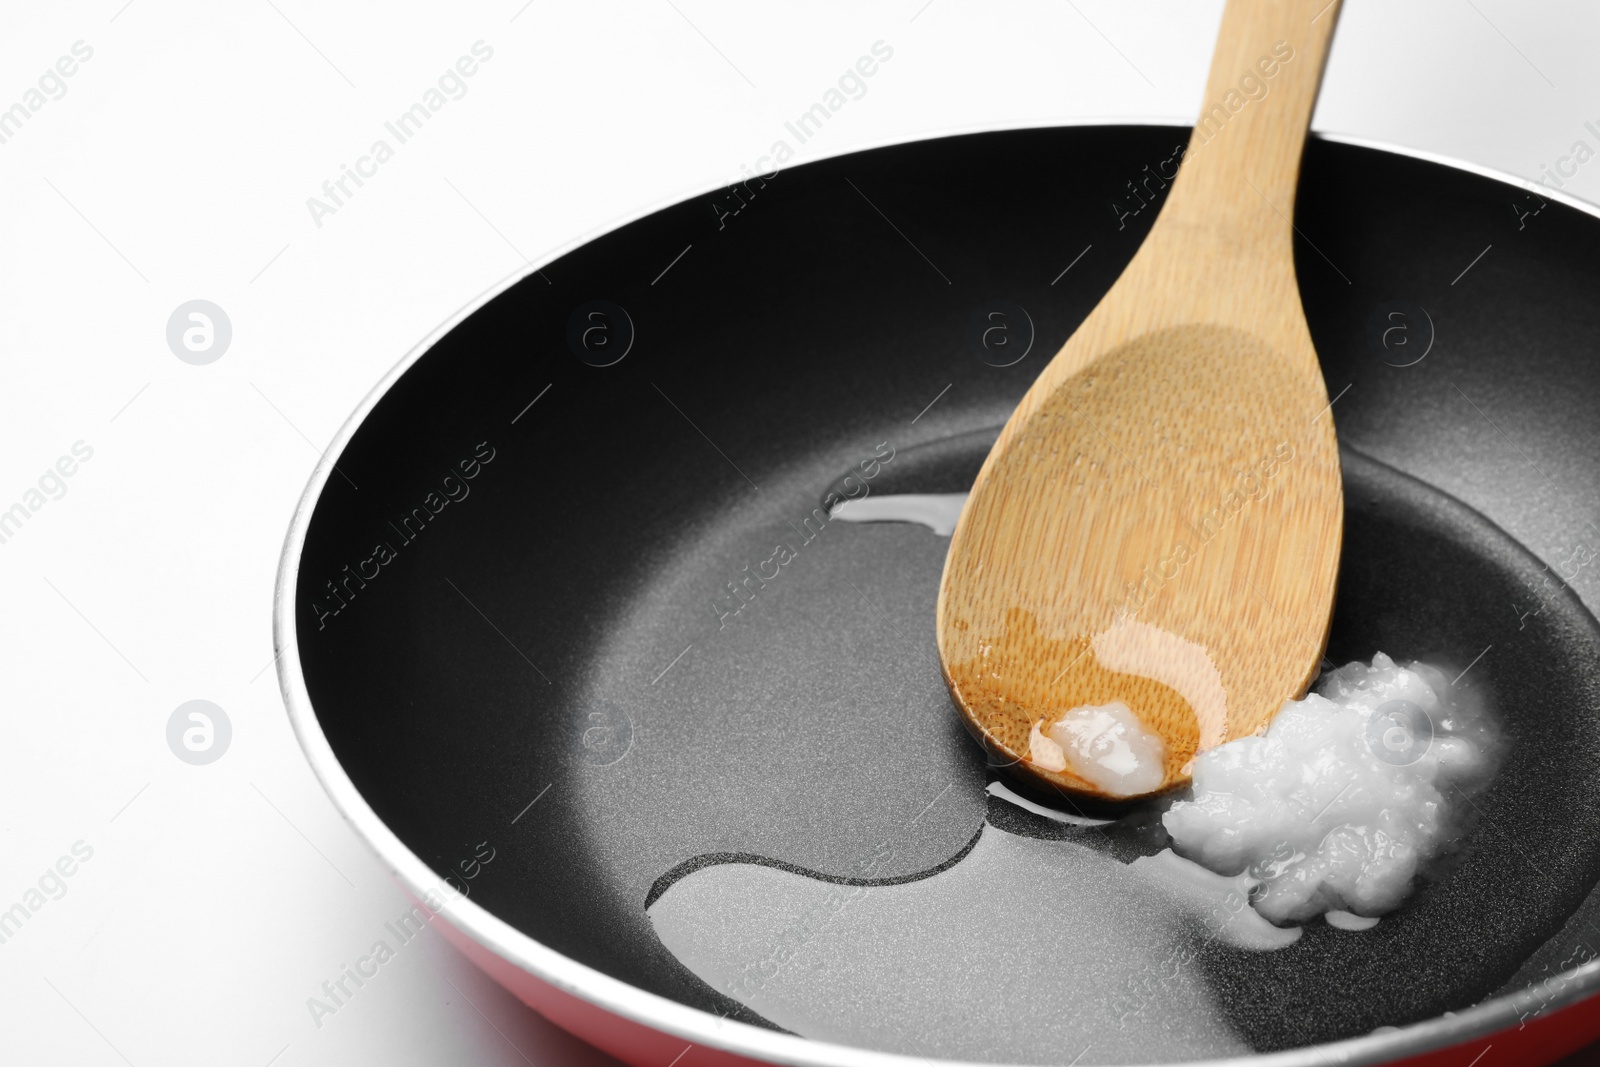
{"x": 999, "y": 789}
{"x": 1219, "y": 902}
{"x": 1020, "y": 949}
{"x": 1025, "y": 951}
{"x": 937, "y": 511}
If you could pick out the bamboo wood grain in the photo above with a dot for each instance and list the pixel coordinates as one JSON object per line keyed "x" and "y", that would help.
{"x": 1159, "y": 522}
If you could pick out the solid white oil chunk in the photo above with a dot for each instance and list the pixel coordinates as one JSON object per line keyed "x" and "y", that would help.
{"x": 1107, "y": 746}
{"x": 1044, "y": 752}
{"x": 1337, "y": 806}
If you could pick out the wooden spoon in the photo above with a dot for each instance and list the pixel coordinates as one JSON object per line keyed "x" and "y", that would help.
{"x": 1158, "y": 525}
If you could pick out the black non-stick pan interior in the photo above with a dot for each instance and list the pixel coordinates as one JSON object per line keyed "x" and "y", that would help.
{"x": 585, "y": 600}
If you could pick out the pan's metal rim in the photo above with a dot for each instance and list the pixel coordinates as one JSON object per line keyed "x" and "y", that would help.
{"x": 691, "y": 1024}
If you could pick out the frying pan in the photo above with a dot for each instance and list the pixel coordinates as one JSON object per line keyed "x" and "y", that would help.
{"x": 589, "y": 662}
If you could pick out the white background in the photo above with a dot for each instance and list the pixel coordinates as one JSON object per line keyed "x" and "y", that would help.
{"x": 177, "y": 166}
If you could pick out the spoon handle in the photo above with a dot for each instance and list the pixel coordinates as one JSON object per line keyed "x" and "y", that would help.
{"x": 1239, "y": 174}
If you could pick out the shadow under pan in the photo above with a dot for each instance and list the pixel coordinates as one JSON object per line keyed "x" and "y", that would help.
{"x": 527, "y": 603}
